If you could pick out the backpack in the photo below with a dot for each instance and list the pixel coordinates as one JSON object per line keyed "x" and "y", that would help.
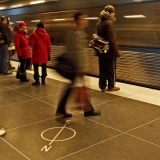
{"x": 1, "y": 38}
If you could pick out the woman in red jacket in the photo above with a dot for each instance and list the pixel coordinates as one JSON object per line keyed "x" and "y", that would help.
{"x": 40, "y": 40}
{"x": 23, "y": 49}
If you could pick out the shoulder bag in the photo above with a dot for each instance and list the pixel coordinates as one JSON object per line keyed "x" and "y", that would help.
{"x": 99, "y": 44}
{"x": 65, "y": 67}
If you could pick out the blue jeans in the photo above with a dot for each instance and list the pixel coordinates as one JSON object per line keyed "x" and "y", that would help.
{"x": 4, "y": 57}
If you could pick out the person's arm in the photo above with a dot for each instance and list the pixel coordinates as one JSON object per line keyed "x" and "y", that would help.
{"x": 111, "y": 34}
{"x": 5, "y": 34}
{"x": 17, "y": 45}
{"x": 31, "y": 40}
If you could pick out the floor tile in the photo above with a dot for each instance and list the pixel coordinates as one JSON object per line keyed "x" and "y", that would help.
{"x": 8, "y": 152}
{"x": 149, "y": 131}
{"x": 119, "y": 148}
{"x": 125, "y": 114}
{"x": 41, "y": 90}
{"x": 80, "y": 133}
{"x": 24, "y": 113}
{"x": 11, "y": 96}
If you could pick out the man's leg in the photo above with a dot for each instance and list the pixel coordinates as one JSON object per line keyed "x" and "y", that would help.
{"x": 111, "y": 75}
{"x": 9, "y": 61}
{"x": 61, "y": 109}
{"x": 5, "y": 59}
{"x": 102, "y": 73}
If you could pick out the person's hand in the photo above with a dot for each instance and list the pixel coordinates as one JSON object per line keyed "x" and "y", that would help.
{"x": 49, "y": 58}
{"x": 20, "y": 58}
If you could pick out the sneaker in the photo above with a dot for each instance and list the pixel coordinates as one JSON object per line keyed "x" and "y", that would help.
{"x": 114, "y": 89}
{"x": 7, "y": 73}
{"x": 2, "y": 131}
{"x": 92, "y": 113}
{"x": 36, "y": 84}
{"x": 63, "y": 115}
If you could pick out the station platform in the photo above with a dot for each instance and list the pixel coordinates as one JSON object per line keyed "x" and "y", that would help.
{"x": 127, "y": 129}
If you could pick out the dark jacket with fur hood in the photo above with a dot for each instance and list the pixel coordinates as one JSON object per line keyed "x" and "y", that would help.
{"x": 106, "y": 29}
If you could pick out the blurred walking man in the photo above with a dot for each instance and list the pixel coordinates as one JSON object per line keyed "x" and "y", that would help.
{"x": 75, "y": 44}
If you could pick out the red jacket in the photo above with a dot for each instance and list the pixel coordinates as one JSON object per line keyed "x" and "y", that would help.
{"x": 21, "y": 45}
{"x": 40, "y": 41}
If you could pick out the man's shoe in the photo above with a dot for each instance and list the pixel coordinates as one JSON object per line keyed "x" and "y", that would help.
{"x": 2, "y": 131}
{"x": 63, "y": 115}
{"x": 43, "y": 82}
{"x": 8, "y": 73}
{"x": 104, "y": 90}
{"x": 11, "y": 68}
{"x": 36, "y": 84}
{"x": 24, "y": 80}
{"x": 92, "y": 113}
{"x": 114, "y": 89}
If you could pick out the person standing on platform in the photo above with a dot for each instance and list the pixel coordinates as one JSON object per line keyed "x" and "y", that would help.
{"x": 76, "y": 42}
{"x": 11, "y": 51}
{"x": 23, "y": 49}
{"x": 41, "y": 51}
{"x": 108, "y": 61}
{"x": 5, "y": 42}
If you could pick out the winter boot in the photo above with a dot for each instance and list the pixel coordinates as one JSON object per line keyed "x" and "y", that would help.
{"x": 43, "y": 81}
{"x": 23, "y": 77}
{"x": 36, "y": 83}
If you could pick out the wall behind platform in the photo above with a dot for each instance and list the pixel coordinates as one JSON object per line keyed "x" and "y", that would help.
{"x": 63, "y": 5}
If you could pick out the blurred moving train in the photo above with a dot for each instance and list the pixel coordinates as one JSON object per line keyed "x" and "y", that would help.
{"x": 138, "y": 35}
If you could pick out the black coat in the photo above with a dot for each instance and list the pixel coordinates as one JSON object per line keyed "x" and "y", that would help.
{"x": 4, "y": 31}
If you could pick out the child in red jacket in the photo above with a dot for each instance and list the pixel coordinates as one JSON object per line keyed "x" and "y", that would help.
{"x": 23, "y": 49}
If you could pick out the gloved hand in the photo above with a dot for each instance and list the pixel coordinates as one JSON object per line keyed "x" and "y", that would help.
{"x": 20, "y": 58}
{"x": 49, "y": 58}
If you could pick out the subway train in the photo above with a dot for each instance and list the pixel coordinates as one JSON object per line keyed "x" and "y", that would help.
{"x": 138, "y": 35}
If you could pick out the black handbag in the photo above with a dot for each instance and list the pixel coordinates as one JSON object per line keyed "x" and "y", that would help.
{"x": 99, "y": 44}
{"x": 65, "y": 67}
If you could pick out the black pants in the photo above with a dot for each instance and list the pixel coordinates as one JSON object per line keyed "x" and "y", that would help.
{"x": 24, "y": 64}
{"x": 107, "y": 71}
{"x": 62, "y": 104}
{"x": 36, "y": 71}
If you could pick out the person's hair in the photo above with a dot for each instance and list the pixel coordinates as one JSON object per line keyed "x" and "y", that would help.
{"x": 3, "y": 18}
{"x": 78, "y": 14}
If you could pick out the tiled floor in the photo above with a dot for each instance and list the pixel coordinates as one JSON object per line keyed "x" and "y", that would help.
{"x": 128, "y": 129}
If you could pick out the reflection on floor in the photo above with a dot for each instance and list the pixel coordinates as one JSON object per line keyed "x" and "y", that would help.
{"x": 128, "y": 128}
